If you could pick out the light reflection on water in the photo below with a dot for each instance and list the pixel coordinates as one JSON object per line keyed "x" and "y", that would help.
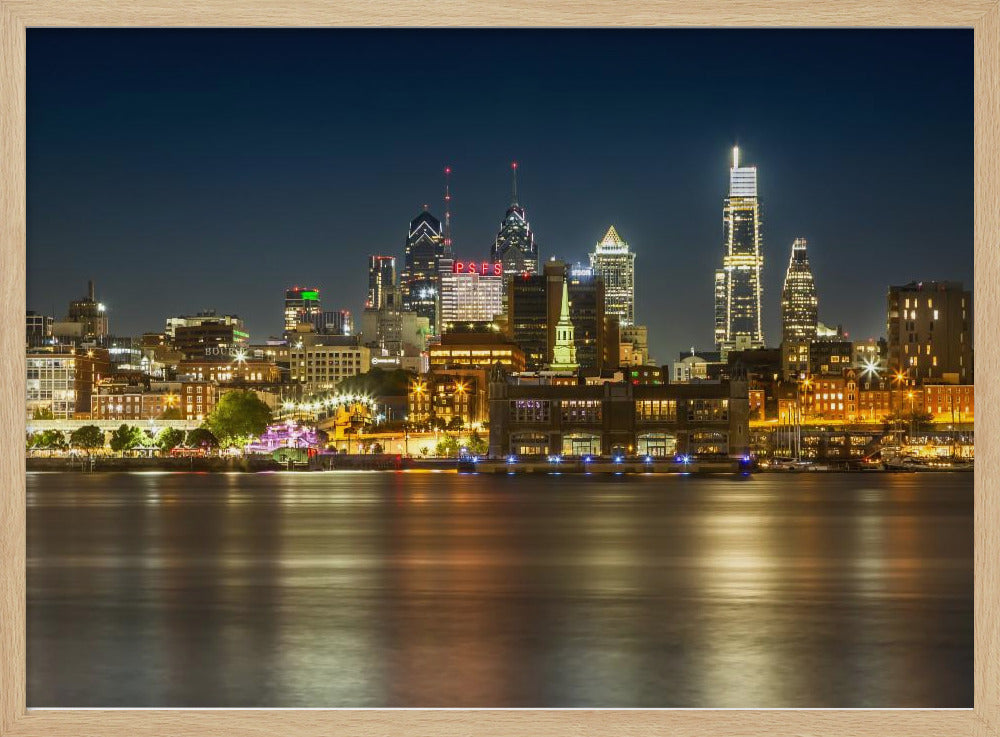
{"x": 389, "y": 589}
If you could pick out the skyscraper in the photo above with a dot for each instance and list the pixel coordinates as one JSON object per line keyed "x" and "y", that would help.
{"x": 302, "y": 306}
{"x": 381, "y": 276}
{"x": 741, "y": 266}
{"x": 470, "y": 292}
{"x": 799, "y": 306}
{"x": 425, "y": 247}
{"x": 612, "y": 261}
{"x": 515, "y": 245}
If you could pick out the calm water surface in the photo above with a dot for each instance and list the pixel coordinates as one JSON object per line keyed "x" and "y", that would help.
{"x": 433, "y": 589}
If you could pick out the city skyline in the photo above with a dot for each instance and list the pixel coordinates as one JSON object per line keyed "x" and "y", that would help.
{"x": 864, "y": 236}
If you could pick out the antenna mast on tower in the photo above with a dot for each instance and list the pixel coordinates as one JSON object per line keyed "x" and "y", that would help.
{"x": 513, "y": 184}
{"x": 447, "y": 208}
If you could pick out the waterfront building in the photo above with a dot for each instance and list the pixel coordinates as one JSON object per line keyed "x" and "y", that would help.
{"x": 419, "y": 283}
{"x": 471, "y": 291}
{"x": 949, "y": 404}
{"x": 116, "y": 398}
{"x": 61, "y": 380}
{"x": 799, "y": 311}
{"x": 37, "y": 329}
{"x": 381, "y": 276}
{"x": 85, "y": 323}
{"x": 302, "y": 307}
{"x": 700, "y": 420}
{"x": 615, "y": 264}
{"x": 515, "y": 245}
{"x": 930, "y": 332}
{"x": 742, "y": 263}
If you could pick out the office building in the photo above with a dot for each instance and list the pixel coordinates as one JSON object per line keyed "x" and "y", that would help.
{"x": 37, "y": 329}
{"x": 615, "y": 264}
{"x": 515, "y": 245}
{"x": 740, "y": 290}
{"x": 302, "y": 307}
{"x": 61, "y": 380}
{"x": 381, "y": 276}
{"x": 799, "y": 312}
{"x": 419, "y": 282}
{"x": 471, "y": 291}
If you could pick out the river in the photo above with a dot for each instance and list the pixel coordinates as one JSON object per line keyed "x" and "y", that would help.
{"x": 430, "y": 589}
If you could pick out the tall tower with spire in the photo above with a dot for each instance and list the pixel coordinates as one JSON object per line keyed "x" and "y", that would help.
{"x": 615, "y": 263}
{"x": 738, "y": 319}
{"x": 515, "y": 245}
{"x": 564, "y": 350}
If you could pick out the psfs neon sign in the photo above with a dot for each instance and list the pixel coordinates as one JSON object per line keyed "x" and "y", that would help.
{"x": 483, "y": 268}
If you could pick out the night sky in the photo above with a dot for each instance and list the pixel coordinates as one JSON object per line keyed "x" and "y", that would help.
{"x": 186, "y": 170}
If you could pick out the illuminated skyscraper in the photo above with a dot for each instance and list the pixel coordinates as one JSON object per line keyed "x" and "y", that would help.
{"x": 799, "y": 306}
{"x": 302, "y": 306}
{"x": 515, "y": 245}
{"x": 419, "y": 283}
{"x": 613, "y": 262}
{"x": 799, "y": 313}
{"x": 743, "y": 261}
{"x": 381, "y": 277}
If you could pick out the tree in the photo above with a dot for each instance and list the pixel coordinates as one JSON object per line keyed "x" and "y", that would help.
{"x": 172, "y": 413}
{"x": 476, "y": 445}
{"x": 169, "y": 438}
{"x": 127, "y": 437}
{"x": 88, "y": 437}
{"x": 447, "y": 446}
{"x": 201, "y": 438}
{"x": 47, "y": 439}
{"x": 238, "y": 416}
{"x": 455, "y": 423}
{"x": 378, "y": 383}
{"x": 42, "y": 413}
{"x": 377, "y": 449}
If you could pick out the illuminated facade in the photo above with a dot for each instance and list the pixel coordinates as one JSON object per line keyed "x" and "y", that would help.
{"x": 615, "y": 264}
{"x": 564, "y": 349}
{"x": 381, "y": 277}
{"x": 741, "y": 288}
{"x": 419, "y": 283}
{"x": 515, "y": 245}
{"x": 302, "y": 306}
{"x": 799, "y": 312}
{"x": 448, "y": 396}
{"x": 62, "y": 382}
{"x": 470, "y": 291}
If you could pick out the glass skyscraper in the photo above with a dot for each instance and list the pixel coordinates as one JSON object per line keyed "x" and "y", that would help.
{"x": 613, "y": 262}
{"x": 381, "y": 277}
{"x": 419, "y": 283}
{"x": 799, "y": 305}
{"x": 740, "y": 290}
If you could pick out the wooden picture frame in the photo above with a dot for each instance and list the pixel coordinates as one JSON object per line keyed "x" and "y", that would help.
{"x": 18, "y": 15}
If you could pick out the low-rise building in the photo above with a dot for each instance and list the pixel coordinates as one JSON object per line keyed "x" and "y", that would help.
{"x": 703, "y": 419}
{"x": 61, "y": 380}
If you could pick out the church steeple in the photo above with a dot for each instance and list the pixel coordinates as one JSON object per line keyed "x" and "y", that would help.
{"x": 564, "y": 350}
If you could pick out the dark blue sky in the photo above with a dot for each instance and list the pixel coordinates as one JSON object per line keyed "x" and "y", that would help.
{"x": 192, "y": 169}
